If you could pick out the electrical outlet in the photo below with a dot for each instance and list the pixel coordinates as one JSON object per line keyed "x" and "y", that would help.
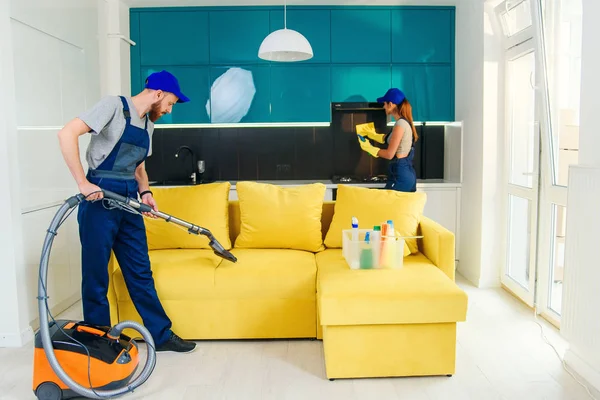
{"x": 284, "y": 167}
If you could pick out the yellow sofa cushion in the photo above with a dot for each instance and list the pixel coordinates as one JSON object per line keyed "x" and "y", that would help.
{"x": 374, "y": 207}
{"x": 184, "y": 274}
{"x": 417, "y": 293}
{"x": 268, "y": 273}
{"x": 274, "y": 217}
{"x": 206, "y": 205}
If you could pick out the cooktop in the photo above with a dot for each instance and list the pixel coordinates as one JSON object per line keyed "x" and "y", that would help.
{"x": 356, "y": 179}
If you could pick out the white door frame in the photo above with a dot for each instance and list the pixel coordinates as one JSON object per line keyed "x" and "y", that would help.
{"x": 545, "y": 192}
{"x": 526, "y": 294}
{"x": 550, "y": 193}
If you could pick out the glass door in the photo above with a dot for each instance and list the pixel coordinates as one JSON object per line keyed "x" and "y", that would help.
{"x": 559, "y": 24}
{"x": 522, "y": 172}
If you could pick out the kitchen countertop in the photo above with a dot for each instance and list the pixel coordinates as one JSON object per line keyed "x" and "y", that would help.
{"x": 429, "y": 183}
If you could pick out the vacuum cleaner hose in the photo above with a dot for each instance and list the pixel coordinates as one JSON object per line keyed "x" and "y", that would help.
{"x": 116, "y": 330}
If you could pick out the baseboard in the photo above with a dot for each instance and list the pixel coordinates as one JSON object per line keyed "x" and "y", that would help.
{"x": 580, "y": 367}
{"x": 489, "y": 282}
{"x": 57, "y": 309}
{"x": 15, "y": 339}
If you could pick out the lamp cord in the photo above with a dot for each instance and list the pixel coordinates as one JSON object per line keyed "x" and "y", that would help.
{"x": 562, "y": 360}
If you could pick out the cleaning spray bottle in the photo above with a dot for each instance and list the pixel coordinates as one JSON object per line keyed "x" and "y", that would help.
{"x": 366, "y": 254}
{"x": 354, "y": 229}
{"x": 389, "y": 258}
{"x": 354, "y": 246}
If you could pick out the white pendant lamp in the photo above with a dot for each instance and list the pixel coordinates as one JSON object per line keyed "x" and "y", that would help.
{"x": 285, "y": 45}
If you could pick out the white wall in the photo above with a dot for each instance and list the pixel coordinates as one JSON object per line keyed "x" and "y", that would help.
{"x": 492, "y": 233}
{"x": 589, "y": 139}
{"x": 480, "y": 105}
{"x": 114, "y": 51}
{"x": 581, "y": 261}
{"x": 470, "y": 72}
{"x": 50, "y": 69}
{"x": 14, "y": 329}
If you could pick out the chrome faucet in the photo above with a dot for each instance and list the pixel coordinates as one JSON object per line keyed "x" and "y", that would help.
{"x": 193, "y": 175}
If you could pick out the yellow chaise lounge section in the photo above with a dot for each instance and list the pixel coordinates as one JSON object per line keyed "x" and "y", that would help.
{"x": 380, "y": 323}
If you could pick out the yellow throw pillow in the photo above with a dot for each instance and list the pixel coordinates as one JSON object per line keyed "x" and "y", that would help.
{"x": 205, "y": 205}
{"x": 373, "y": 207}
{"x": 274, "y": 217}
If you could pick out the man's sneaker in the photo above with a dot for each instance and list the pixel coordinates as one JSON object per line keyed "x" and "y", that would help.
{"x": 177, "y": 344}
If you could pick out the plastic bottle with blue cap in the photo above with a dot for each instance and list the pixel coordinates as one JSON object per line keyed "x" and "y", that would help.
{"x": 354, "y": 229}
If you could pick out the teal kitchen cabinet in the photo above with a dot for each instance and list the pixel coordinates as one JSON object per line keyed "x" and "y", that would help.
{"x": 240, "y": 94}
{"x": 300, "y": 93}
{"x": 423, "y": 35}
{"x": 359, "y": 83}
{"x": 194, "y": 82}
{"x": 313, "y": 24}
{"x": 359, "y": 53}
{"x": 429, "y": 88}
{"x": 235, "y": 36}
{"x": 173, "y": 38}
{"x": 360, "y": 36}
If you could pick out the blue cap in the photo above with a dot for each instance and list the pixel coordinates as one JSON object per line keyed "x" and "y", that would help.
{"x": 393, "y": 95}
{"x": 166, "y": 82}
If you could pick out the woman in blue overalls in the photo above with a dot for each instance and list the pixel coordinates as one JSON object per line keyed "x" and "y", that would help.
{"x": 400, "y": 143}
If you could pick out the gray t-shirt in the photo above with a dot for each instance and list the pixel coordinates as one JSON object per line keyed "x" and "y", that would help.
{"x": 107, "y": 122}
{"x": 407, "y": 137}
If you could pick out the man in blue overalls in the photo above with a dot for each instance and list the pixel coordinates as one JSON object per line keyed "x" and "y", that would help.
{"x": 121, "y": 129}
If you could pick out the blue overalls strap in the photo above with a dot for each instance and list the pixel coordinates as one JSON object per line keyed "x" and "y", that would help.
{"x": 126, "y": 112}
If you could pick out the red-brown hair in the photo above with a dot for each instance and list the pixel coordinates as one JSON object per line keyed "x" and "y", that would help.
{"x": 405, "y": 111}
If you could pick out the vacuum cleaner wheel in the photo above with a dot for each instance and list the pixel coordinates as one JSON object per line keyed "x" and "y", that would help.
{"x": 48, "y": 391}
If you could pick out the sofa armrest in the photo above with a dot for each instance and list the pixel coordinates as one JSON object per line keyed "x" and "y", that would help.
{"x": 437, "y": 245}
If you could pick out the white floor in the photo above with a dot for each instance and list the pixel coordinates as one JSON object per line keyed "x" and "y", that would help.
{"x": 500, "y": 355}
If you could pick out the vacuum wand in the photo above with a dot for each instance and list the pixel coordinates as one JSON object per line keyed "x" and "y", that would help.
{"x": 195, "y": 229}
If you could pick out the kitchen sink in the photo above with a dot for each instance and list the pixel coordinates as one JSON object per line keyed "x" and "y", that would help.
{"x": 182, "y": 182}
{"x": 173, "y": 183}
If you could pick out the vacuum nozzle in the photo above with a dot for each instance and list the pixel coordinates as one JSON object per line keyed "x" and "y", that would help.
{"x": 220, "y": 251}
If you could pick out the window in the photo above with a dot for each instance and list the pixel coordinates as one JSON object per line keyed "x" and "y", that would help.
{"x": 562, "y": 44}
{"x": 516, "y": 17}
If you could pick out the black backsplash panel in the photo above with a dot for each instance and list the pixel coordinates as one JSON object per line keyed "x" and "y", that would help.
{"x": 280, "y": 153}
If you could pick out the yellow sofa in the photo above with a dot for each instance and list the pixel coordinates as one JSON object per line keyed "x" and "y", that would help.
{"x": 373, "y": 323}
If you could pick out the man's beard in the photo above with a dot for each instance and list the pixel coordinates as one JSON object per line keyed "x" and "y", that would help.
{"x": 155, "y": 113}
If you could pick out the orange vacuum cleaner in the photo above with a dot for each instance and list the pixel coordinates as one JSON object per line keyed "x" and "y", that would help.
{"x": 75, "y": 359}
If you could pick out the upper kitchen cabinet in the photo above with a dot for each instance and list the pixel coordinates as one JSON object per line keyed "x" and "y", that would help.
{"x": 235, "y": 36}
{"x": 194, "y": 82}
{"x": 313, "y": 24}
{"x": 360, "y": 36}
{"x": 359, "y": 83}
{"x": 423, "y": 35}
{"x": 359, "y": 53}
{"x": 173, "y": 38}
{"x": 429, "y": 88}
{"x": 300, "y": 93}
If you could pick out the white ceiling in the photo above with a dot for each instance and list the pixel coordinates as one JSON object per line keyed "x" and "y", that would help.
{"x": 179, "y": 3}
